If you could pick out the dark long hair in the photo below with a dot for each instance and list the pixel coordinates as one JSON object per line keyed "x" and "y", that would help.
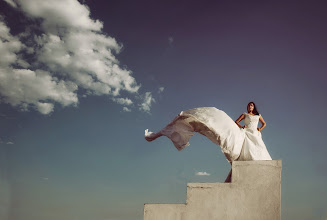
{"x": 255, "y": 111}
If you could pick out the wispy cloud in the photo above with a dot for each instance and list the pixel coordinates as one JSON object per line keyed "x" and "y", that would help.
{"x": 9, "y": 142}
{"x": 123, "y": 101}
{"x": 11, "y": 2}
{"x": 125, "y": 109}
{"x": 68, "y": 54}
{"x": 6, "y": 116}
{"x": 202, "y": 174}
{"x": 147, "y": 102}
{"x": 170, "y": 40}
{"x": 161, "y": 89}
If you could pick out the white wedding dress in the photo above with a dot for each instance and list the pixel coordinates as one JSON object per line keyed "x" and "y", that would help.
{"x": 236, "y": 143}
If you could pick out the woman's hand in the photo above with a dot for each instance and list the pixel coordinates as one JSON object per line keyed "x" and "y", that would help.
{"x": 262, "y": 122}
{"x": 244, "y": 126}
{"x": 259, "y": 129}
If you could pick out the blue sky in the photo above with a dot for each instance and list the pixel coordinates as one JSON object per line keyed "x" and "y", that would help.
{"x": 80, "y": 81}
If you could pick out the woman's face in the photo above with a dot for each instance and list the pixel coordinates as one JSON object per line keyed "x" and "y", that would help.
{"x": 250, "y": 107}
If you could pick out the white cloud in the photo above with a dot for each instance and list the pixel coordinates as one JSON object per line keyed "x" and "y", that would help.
{"x": 123, "y": 101}
{"x": 44, "y": 108}
{"x": 147, "y": 101}
{"x": 125, "y": 109}
{"x": 9, "y": 142}
{"x": 62, "y": 13}
{"x": 23, "y": 87}
{"x": 161, "y": 89}
{"x": 70, "y": 54}
{"x": 11, "y": 2}
{"x": 202, "y": 174}
{"x": 9, "y": 45}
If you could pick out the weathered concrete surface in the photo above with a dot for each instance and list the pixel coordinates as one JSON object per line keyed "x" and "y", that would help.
{"x": 163, "y": 211}
{"x": 254, "y": 193}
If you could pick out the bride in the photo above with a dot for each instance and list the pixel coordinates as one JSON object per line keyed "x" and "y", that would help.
{"x": 237, "y": 142}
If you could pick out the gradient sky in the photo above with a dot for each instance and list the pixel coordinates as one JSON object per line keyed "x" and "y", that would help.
{"x": 83, "y": 156}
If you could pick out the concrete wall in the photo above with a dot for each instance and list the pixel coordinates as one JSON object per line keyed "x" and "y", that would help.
{"x": 163, "y": 211}
{"x": 254, "y": 193}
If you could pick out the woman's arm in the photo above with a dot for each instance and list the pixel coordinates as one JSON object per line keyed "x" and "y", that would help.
{"x": 238, "y": 121}
{"x": 263, "y": 123}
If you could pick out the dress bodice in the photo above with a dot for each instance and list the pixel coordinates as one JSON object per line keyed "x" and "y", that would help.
{"x": 251, "y": 121}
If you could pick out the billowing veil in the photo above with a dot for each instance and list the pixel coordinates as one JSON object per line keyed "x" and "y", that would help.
{"x": 208, "y": 121}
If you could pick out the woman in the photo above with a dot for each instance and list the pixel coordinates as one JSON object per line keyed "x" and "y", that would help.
{"x": 237, "y": 142}
{"x": 253, "y": 147}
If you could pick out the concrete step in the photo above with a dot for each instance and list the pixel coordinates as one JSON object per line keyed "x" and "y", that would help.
{"x": 256, "y": 172}
{"x": 163, "y": 211}
{"x": 254, "y": 193}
